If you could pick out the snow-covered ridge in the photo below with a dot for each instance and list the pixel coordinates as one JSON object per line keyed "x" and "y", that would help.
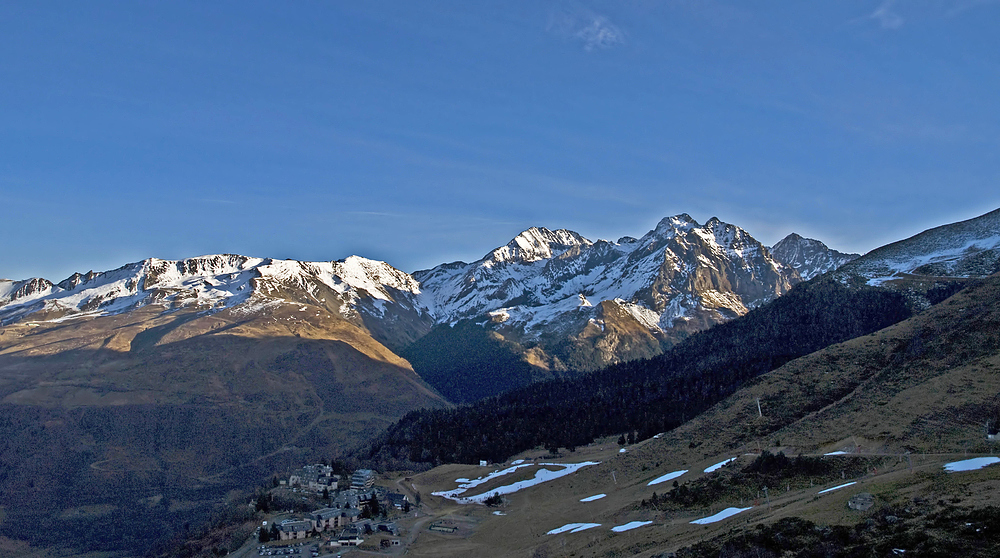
{"x": 808, "y": 256}
{"x": 537, "y": 244}
{"x": 542, "y": 282}
{"x": 965, "y": 249}
{"x": 207, "y": 282}
{"x": 545, "y": 278}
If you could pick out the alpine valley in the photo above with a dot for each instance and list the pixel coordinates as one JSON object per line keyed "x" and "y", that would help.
{"x": 133, "y": 400}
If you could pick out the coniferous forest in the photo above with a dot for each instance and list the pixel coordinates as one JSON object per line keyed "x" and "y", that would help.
{"x": 640, "y": 398}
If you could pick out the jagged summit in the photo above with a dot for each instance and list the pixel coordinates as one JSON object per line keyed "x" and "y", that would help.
{"x": 538, "y": 243}
{"x": 545, "y": 287}
{"x": 680, "y": 276}
{"x": 672, "y": 225}
{"x": 808, "y": 256}
{"x": 208, "y": 283}
{"x": 554, "y": 289}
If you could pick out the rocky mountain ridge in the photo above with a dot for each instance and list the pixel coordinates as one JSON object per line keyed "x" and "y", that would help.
{"x": 969, "y": 248}
{"x": 582, "y": 303}
{"x": 808, "y": 256}
{"x": 132, "y": 377}
{"x": 365, "y": 292}
{"x": 608, "y": 301}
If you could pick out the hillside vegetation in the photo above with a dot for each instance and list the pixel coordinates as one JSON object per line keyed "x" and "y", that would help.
{"x": 467, "y": 362}
{"x": 642, "y": 397}
{"x": 876, "y": 416}
{"x": 144, "y": 421}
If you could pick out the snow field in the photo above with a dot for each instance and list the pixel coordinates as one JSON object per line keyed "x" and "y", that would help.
{"x": 629, "y": 526}
{"x": 594, "y": 497}
{"x": 728, "y": 512}
{"x": 466, "y": 484}
{"x": 970, "y": 464}
{"x": 542, "y": 475}
{"x": 573, "y": 528}
{"x": 719, "y": 465}
{"x": 666, "y": 477}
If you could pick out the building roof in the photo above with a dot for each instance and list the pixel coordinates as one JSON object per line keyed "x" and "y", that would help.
{"x": 325, "y": 513}
{"x": 350, "y": 533}
{"x": 295, "y": 526}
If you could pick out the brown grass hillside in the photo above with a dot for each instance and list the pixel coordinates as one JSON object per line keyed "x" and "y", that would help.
{"x": 901, "y": 403}
{"x": 179, "y": 407}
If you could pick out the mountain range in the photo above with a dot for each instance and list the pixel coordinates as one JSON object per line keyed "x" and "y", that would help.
{"x": 566, "y": 301}
{"x": 174, "y": 381}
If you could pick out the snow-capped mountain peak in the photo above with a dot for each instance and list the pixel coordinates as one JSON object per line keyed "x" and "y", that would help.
{"x": 808, "y": 256}
{"x": 375, "y": 277}
{"x": 538, "y": 243}
{"x": 670, "y": 226}
{"x": 208, "y": 283}
{"x": 557, "y": 282}
{"x": 542, "y": 287}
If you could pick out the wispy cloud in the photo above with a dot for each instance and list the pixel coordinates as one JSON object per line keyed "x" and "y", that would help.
{"x": 600, "y": 34}
{"x": 886, "y": 17}
{"x": 594, "y": 31}
{"x": 962, "y": 6}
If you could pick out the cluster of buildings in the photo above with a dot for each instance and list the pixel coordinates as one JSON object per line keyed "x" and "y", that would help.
{"x": 343, "y": 518}
{"x": 314, "y": 478}
{"x": 319, "y": 477}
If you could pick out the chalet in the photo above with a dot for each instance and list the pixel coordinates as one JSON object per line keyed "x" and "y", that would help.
{"x": 376, "y": 492}
{"x": 346, "y": 499}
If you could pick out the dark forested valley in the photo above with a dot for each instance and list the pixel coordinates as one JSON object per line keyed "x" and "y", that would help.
{"x": 640, "y": 398}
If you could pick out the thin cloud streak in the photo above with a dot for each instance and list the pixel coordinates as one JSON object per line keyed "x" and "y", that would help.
{"x": 886, "y": 17}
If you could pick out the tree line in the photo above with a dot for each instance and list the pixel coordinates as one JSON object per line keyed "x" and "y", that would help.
{"x": 644, "y": 396}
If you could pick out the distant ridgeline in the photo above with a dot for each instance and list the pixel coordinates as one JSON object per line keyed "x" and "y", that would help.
{"x": 644, "y": 396}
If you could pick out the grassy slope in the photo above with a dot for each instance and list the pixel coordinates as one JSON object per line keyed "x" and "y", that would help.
{"x": 643, "y": 396}
{"x": 924, "y": 386}
{"x": 177, "y": 408}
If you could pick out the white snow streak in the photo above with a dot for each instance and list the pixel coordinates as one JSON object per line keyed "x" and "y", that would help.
{"x": 573, "y": 528}
{"x": 542, "y": 475}
{"x": 837, "y": 487}
{"x": 666, "y": 477}
{"x": 629, "y": 526}
{"x": 719, "y": 465}
{"x": 970, "y": 464}
{"x": 728, "y": 512}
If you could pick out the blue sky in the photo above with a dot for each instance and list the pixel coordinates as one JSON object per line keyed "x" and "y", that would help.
{"x": 425, "y": 132}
